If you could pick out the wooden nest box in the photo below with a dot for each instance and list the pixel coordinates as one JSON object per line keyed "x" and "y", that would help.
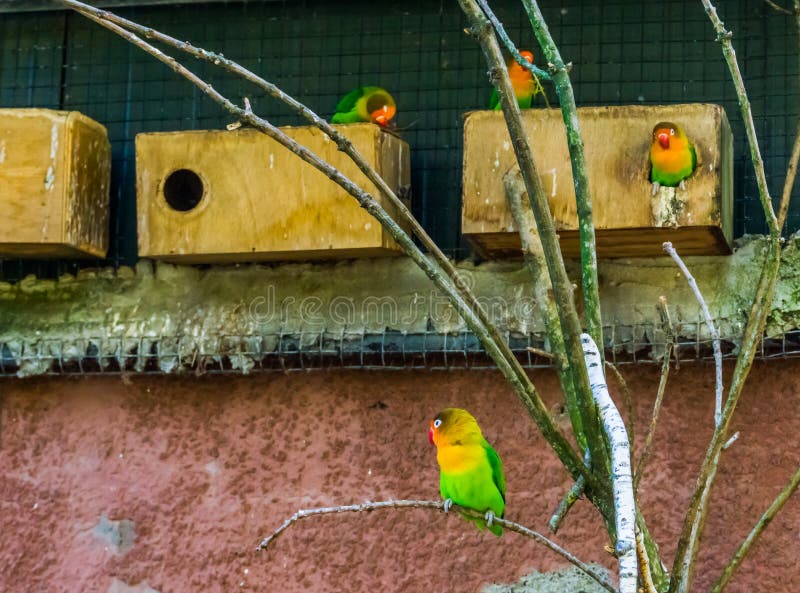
{"x": 230, "y": 196}
{"x": 55, "y": 170}
{"x": 629, "y": 220}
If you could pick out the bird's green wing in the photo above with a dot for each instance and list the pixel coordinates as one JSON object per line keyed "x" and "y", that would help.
{"x": 348, "y": 102}
{"x": 498, "y": 477}
{"x": 694, "y": 156}
{"x": 494, "y": 100}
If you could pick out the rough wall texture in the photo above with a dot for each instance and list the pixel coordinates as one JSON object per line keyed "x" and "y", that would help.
{"x": 205, "y": 467}
{"x": 185, "y": 310}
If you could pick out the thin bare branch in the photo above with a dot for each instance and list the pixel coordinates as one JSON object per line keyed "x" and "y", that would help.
{"x": 439, "y": 506}
{"x": 756, "y": 532}
{"x": 666, "y": 320}
{"x": 644, "y": 564}
{"x": 712, "y": 329}
{"x": 777, "y": 7}
{"x": 629, "y": 409}
{"x": 791, "y": 173}
{"x": 571, "y": 498}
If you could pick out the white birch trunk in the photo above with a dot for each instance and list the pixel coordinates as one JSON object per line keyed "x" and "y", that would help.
{"x": 621, "y": 474}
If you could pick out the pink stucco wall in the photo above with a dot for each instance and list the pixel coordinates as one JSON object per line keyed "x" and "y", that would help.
{"x": 205, "y": 467}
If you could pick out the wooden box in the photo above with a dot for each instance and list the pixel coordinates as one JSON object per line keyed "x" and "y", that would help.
{"x": 629, "y": 220}
{"x": 224, "y": 196}
{"x": 55, "y": 169}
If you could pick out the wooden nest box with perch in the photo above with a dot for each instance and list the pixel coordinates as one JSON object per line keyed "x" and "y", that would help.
{"x": 630, "y": 219}
{"x": 55, "y": 171}
{"x": 230, "y": 196}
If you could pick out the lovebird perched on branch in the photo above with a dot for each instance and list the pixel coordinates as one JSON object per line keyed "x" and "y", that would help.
{"x": 526, "y": 85}
{"x": 471, "y": 473}
{"x": 672, "y": 156}
{"x": 366, "y": 103}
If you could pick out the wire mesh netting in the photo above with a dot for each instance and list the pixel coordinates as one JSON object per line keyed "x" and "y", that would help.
{"x": 623, "y": 52}
{"x": 345, "y": 349}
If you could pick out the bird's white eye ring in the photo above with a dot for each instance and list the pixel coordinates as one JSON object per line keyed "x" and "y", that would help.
{"x": 672, "y": 131}
{"x": 437, "y": 423}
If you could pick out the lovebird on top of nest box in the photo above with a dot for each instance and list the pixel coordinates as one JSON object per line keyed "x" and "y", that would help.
{"x": 672, "y": 156}
{"x": 526, "y": 85}
{"x": 471, "y": 473}
{"x": 365, "y": 104}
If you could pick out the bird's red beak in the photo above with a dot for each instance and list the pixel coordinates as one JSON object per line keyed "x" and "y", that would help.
{"x": 430, "y": 435}
{"x": 383, "y": 115}
{"x": 663, "y": 140}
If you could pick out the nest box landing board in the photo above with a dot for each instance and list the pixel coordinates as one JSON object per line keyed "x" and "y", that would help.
{"x": 229, "y": 196}
{"x": 55, "y": 171}
{"x": 630, "y": 220}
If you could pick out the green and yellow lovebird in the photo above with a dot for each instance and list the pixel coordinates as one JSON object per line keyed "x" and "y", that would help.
{"x": 526, "y": 86}
{"x": 471, "y": 473}
{"x": 672, "y": 156}
{"x": 365, "y": 104}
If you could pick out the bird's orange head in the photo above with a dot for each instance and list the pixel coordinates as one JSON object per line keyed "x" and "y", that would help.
{"x": 453, "y": 426}
{"x": 666, "y": 132}
{"x": 381, "y": 108}
{"x": 516, "y": 71}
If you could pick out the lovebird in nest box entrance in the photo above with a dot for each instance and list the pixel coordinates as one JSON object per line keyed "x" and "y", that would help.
{"x": 471, "y": 473}
{"x": 672, "y": 156}
{"x": 365, "y": 104}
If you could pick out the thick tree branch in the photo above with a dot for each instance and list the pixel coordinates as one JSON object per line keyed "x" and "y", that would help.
{"x": 438, "y": 505}
{"x": 481, "y": 29}
{"x": 580, "y": 173}
{"x": 622, "y": 476}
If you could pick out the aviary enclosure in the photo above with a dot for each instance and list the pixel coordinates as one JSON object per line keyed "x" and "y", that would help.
{"x": 435, "y": 57}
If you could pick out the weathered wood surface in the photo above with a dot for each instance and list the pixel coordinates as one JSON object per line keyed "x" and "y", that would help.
{"x": 260, "y": 201}
{"x": 55, "y": 169}
{"x": 630, "y": 221}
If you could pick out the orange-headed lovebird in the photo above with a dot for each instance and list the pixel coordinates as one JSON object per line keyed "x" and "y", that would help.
{"x": 525, "y": 87}
{"x": 471, "y": 473}
{"x": 672, "y": 156}
{"x": 366, "y": 103}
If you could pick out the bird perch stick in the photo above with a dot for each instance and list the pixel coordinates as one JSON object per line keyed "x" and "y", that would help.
{"x": 437, "y": 505}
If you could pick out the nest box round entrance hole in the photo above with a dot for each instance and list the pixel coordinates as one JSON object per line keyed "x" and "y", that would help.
{"x": 183, "y": 190}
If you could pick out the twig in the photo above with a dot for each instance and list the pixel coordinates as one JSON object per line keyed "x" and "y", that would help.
{"x": 644, "y": 564}
{"x": 501, "y": 33}
{"x": 437, "y": 505}
{"x": 756, "y": 532}
{"x": 540, "y": 352}
{"x": 507, "y": 364}
{"x": 731, "y": 440}
{"x": 622, "y": 477}
{"x": 580, "y": 172}
{"x": 629, "y": 410}
{"x": 662, "y": 386}
{"x": 711, "y": 330}
{"x": 777, "y": 7}
{"x": 791, "y": 173}
{"x": 571, "y": 498}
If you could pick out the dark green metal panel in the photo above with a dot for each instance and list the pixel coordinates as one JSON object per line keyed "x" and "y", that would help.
{"x": 623, "y": 52}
